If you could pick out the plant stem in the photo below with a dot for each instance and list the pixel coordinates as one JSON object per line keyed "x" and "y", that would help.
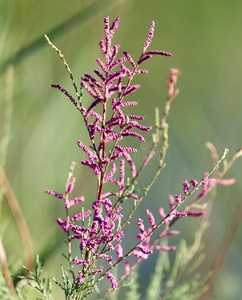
{"x": 19, "y": 218}
{"x": 6, "y": 271}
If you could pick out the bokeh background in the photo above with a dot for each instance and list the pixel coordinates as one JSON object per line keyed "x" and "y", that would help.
{"x": 205, "y": 39}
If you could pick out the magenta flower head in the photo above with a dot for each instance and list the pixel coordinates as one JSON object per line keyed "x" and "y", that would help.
{"x": 119, "y": 251}
{"x": 178, "y": 198}
{"x": 149, "y": 36}
{"x": 112, "y": 280}
{"x": 127, "y": 267}
{"x": 186, "y": 187}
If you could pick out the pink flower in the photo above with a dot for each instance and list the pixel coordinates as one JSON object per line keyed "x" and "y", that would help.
{"x": 186, "y": 187}
{"x": 178, "y": 198}
{"x": 127, "y": 267}
{"x": 119, "y": 251}
{"x": 165, "y": 248}
{"x": 151, "y": 218}
{"x": 227, "y": 181}
{"x": 112, "y": 280}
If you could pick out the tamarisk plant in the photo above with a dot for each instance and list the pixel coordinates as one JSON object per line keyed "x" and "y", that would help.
{"x": 100, "y": 230}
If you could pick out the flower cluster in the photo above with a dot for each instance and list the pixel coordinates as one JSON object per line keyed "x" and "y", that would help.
{"x": 100, "y": 230}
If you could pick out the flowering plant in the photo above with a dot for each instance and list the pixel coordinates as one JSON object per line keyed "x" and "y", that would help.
{"x": 100, "y": 229}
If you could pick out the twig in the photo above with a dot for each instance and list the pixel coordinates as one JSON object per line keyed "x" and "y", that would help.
{"x": 20, "y": 220}
{"x": 158, "y": 225}
{"x": 194, "y": 248}
{"x": 3, "y": 153}
{"x": 5, "y": 138}
{"x": 6, "y": 272}
{"x": 7, "y": 114}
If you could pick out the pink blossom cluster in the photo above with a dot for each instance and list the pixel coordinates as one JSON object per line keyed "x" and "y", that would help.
{"x": 168, "y": 219}
{"x": 100, "y": 230}
{"x": 109, "y": 89}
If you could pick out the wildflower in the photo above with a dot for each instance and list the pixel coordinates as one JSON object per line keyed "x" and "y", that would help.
{"x": 51, "y": 192}
{"x": 196, "y": 213}
{"x": 100, "y": 270}
{"x": 170, "y": 233}
{"x": 119, "y": 251}
{"x": 227, "y": 181}
{"x": 149, "y": 37}
{"x": 112, "y": 280}
{"x": 71, "y": 186}
{"x": 186, "y": 187}
{"x": 151, "y": 218}
{"x": 171, "y": 81}
{"x": 80, "y": 262}
{"x": 206, "y": 184}
{"x": 165, "y": 248}
{"x": 140, "y": 254}
{"x": 194, "y": 183}
{"x": 80, "y": 279}
{"x": 127, "y": 267}
{"x": 178, "y": 198}
{"x": 171, "y": 201}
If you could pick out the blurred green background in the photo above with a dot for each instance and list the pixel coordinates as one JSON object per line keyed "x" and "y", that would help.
{"x": 205, "y": 39}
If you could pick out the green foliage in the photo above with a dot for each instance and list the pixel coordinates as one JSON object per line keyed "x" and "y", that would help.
{"x": 67, "y": 286}
{"x": 155, "y": 287}
{"x": 181, "y": 256}
{"x": 40, "y": 283}
{"x": 182, "y": 284}
{"x": 189, "y": 290}
{"x": 132, "y": 292}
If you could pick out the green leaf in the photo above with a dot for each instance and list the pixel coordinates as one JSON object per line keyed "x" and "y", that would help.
{"x": 132, "y": 293}
{"x": 154, "y": 289}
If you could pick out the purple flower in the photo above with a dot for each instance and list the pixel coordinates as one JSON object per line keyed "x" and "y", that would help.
{"x": 194, "y": 183}
{"x": 206, "y": 184}
{"x": 169, "y": 233}
{"x": 80, "y": 262}
{"x": 186, "y": 187}
{"x": 149, "y": 36}
{"x": 171, "y": 201}
{"x": 51, "y": 192}
{"x": 178, "y": 198}
{"x": 151, "y": 218}
{"x": 165, "y": 248}
{"x": 108, "y": 124}
{"x": 70, "y": 203}
{"x": 119, "y": 251}
{"x": 100, "y": 270}
{"x": 80, "y": 279}
{"x": 64, "y": 224}
{"x": 127, "y": 267}
{"x": 144, "y": 249}
{"x": 158, "y": 53}
{"x": 196, "y": 213}
{"x": 112, "y": 280}
{"x": 227, "y": 181}
{"x": 71, "y": 186}
{"x": 140, "y": 254}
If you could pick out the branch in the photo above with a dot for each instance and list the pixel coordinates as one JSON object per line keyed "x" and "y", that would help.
{"x": 20, "y": 220}
{"x": 6, "y": 272}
